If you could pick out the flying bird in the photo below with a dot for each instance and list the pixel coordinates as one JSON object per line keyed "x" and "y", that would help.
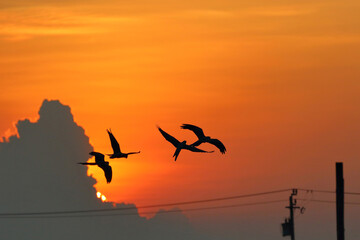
{"x": 116, "y": 147}
{"x": 179, "y": 145}
{"x": 203, "y": 139}
{"x": 100, "y": 162}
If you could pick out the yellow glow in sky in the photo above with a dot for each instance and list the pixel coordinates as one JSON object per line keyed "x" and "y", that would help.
{"x": 276, "y": 82}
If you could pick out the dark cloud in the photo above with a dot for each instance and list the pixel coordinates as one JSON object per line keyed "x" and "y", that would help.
{"x": 39, "y": 173}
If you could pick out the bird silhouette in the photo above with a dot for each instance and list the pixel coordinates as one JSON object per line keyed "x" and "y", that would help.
{"x": 179, "y": 145}
{"x": 100, "y": 162}
{"x": 203, "y": 139}
{"x": 116, "y": 147}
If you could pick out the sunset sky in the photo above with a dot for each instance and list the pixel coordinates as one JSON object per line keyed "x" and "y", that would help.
{"x": 277, "y": 82}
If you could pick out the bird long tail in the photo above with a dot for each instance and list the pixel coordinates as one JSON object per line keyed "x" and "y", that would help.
{"x": 177, "y": 152}
{"x": 85, "y": 163}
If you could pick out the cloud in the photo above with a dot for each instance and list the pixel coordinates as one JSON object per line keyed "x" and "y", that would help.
{"x": 23, "y": 23}
{"x": 208, "y": 13}
{"x": 39, "y": 173}
{"x": 280, "y": 11}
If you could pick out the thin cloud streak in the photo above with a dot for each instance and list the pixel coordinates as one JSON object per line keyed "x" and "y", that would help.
{"x": 207, "y": 13}
{"x": 280, "y": 11}
{"x": 24, "y": 23}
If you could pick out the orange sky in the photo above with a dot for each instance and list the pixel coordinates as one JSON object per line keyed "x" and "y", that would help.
{"x": 277, "y": 82}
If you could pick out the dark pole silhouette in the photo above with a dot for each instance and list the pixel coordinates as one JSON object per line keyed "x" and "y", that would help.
{"x": 290, "y": 222}
{"x": 340, "y": 201}
{"x": 292, "y": 227}
{"x": 116, "y": 147}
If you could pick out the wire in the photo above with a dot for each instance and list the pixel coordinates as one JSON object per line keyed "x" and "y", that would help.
{"x": 305, "y": 202}
{"x": 146, "y": 206}
{"x": 65, "y": 214}
{"x": 352, "y": 193}
{"x": 315, "y": 190}
{"x": 151, "y": 212}
{"x": 328, "y": 201}
{"x": 326, "y": 191}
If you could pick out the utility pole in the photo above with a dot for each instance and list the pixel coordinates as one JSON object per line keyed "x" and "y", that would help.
{"x": 340, "y": 201}
{"x": 289, "y": 225}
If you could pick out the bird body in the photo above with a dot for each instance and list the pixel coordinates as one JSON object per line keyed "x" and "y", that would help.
{"x": 121, "y": 155}
{"x": 179, "y": 145}
{"x": 204, "y": 139}
{"x": 116, "y": 147}
{"x": 201, "y": 140}
{"x": 100, "y": 162}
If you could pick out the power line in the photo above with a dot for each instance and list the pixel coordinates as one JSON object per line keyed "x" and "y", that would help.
{"x": 150, "y": 212}
{"x": 62, "y": 213}
{"x": 328, "y": 201}
{"x": 326, "y": 191}
{"x": 352, "y": 193}
{"x": 315, "y": 190}
{"x": 141, "y": 207}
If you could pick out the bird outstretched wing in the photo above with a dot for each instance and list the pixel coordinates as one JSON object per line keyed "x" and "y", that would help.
{"x": 107, "y": 170}
{"x": 114, "y": 144}
{"x": 168, "y": 137}
{"x": 99, "y": 157}
{"x": 133, "y": 152}
{"x": 198, "y": 131}
{"x": 218, "y": 144}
